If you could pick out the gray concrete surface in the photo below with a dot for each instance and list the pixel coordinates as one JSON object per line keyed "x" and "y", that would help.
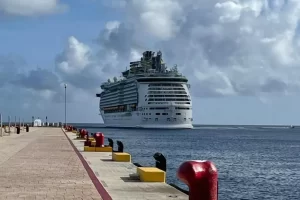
{"x": 115, "y": 177}
{"x": 42, "y": 164}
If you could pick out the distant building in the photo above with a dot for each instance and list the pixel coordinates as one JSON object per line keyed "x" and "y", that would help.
{"x": 37, "y": 122}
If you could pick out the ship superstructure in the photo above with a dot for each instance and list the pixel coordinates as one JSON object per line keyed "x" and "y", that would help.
{"x": 148, "y": 95}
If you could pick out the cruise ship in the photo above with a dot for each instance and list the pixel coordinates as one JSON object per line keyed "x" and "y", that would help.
{"x": 147, "y": 95}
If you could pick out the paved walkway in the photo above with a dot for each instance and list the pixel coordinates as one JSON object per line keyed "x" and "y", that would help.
{"x": 42, "y": 164}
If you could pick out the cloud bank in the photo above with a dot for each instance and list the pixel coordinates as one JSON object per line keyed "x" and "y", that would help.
{"x": 248, "y": 47}
{"x": 31, "y": 7}
{"x": 226, "y": 48}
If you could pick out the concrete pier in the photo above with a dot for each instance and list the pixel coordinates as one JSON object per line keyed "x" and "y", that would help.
{"x": 47, "y": 163}
{"x": 41, "y": 164}
{"x": 118, "y": 180}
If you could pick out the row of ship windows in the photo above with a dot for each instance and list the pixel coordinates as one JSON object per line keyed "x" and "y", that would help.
{"x": 168, "y": 103}
{"x": 159, "y": 113}
{"x": 156, "y": 119}
{"x": 113, "y": 94}
{"x": 165, "y": 84}
{"x": 135, "y": 109}
{"x": 125, "y": 96}
{"x": 167, "y": 95}
{"x": 165, "y": 108}
{"x": 149, "y": 103}
{"x": 167, "y": 92}
{"x": 121, "y": 87}
{"x": 116, "y": 103}
{"x": 117, "y": 98}
{"x": 169, "y": 119}
{"x": 117, "y": 111}
{"x": 165, "y": 89}
{"x": 151, "y": 99}
{"x": 110, "y": 101}
{"x": 115, "y": 90}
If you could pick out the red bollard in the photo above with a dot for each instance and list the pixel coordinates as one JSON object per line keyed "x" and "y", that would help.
{"x": 99, "y": 137}
{"x": 202, "y": 179}
{"x": 83, "y": 133}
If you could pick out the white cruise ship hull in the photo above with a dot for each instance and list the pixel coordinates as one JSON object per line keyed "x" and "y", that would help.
{"x": 154, "y": 126}
{"x": 134, "y": 120}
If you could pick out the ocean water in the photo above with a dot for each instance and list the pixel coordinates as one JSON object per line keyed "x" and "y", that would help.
{"x": 253, "y": 162}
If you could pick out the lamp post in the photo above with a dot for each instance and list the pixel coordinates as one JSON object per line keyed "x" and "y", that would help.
{"x": 9, "y": 125}
{"x": 1, "y": 133}
{"x": 65, "y": 104}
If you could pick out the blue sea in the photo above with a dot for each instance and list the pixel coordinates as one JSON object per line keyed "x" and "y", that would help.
{"x": 253, "y": 162}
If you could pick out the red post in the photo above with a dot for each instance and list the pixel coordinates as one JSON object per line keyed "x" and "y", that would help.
{"x": 83, "y": 133}
{"x": 202, "y": 179}
{"x": 99, "y": 137}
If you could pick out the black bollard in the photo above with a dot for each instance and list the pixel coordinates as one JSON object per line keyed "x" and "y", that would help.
{"x": 120, "y": 146}
{"x": 27, "y": 128}
{"x": 18, "y": 130}
{"x": 87, "y": 142}
{"x": 160, "y": 161}
{"x": 110, "y": 143}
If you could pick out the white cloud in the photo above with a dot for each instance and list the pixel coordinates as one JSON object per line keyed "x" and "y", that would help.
{"x": 229, "y": 11}
{"x": 248, "y": 47}
{"x": 31, "y": 7}
{"x": 79, "y": 66}
{"x": 75, "y": 58}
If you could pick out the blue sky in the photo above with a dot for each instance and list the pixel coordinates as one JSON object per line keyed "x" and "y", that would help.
{"x": 241, "y": 57}
{"x": 84, "y": 20}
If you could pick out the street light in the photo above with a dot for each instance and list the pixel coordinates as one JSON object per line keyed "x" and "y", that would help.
{"x": 65, "y": 104}
{"x": 1, "y": 133}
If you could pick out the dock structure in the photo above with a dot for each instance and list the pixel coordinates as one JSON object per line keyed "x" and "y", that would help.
{"x": 119, "y": 178}
{"x": 48, "y": 163}
{"x": 41, "y": 164}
